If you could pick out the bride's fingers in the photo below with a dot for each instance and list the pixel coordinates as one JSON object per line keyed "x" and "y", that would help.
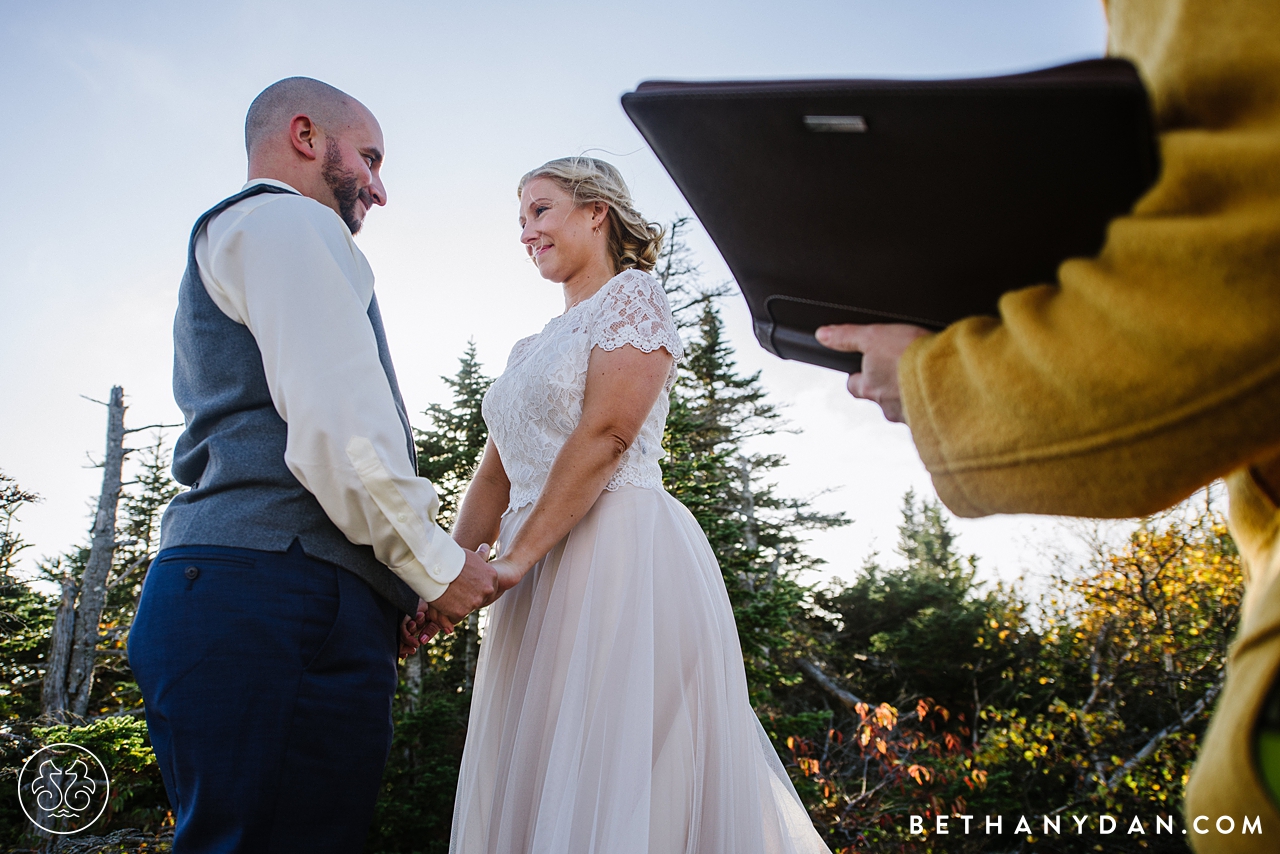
{"x": 441, "y": 621}
{"x": 407, "y": 642}
{"x": 408, "y": 626}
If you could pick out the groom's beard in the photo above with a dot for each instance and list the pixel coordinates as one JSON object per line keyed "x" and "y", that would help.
{"x": 345, "y": 187}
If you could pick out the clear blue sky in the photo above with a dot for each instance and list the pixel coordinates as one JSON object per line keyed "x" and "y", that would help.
{"x": 124, "y": 122}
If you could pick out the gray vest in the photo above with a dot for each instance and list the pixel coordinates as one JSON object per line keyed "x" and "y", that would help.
{"x": 231, "y": 453}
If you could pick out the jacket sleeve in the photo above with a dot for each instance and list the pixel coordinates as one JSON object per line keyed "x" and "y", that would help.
{"x": 1153, "y": 368}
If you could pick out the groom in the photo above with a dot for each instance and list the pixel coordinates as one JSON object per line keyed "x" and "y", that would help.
{"x": 266, "y": 637}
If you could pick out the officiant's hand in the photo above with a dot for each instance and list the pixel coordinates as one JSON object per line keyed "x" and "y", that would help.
{"x": 475, "y": 587}
{"x": 881, "y": 346}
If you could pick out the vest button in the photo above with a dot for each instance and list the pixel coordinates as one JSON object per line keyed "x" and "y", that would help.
{"x": 191, "y": 572}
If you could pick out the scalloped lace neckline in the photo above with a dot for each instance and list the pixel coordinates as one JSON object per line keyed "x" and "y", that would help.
{"x": 599, "y": 291}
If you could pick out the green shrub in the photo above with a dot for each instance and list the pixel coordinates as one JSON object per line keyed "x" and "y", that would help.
{"x": 121, "y": 742}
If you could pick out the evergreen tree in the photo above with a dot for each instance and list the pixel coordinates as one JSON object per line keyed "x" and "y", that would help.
{"x": 911, "y": 654}
{"x": 415, "y": 809}
{"x": 25, "y": 615}
{"x": 891, "y": 622}
{"x": 29, "y": 613}
{"x": 756, "y": 534}
{"x": 449, "y": 450}
{"x": 120, "y": 740}
{"x": 12, "y": 499}
{"x": 448, "y": 453}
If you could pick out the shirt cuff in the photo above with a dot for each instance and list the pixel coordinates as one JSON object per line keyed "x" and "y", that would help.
{"x": 431, "y": 583}
{"x": 435, "y": 559}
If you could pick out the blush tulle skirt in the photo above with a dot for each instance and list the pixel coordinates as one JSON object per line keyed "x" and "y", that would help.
{"x": 610, "y": 712}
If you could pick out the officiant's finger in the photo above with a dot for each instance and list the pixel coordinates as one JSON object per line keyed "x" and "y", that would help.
{"x": 845, "y": 337}
{"x": 855, "y": 384}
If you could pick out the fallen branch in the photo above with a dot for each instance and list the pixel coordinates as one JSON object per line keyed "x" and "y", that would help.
{"x": 814, "y": 672}
{"x": 1150, "y": 747}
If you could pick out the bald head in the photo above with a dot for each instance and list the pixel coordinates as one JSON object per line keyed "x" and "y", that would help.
{"x": 270, "y": 112}
{"x": 321, "y": 142}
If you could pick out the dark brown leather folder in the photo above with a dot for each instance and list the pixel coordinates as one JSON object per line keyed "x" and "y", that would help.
{"x": 913, "y": 201}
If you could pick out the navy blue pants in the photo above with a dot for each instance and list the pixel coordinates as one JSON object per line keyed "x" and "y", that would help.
{"x": 268, "y": 681}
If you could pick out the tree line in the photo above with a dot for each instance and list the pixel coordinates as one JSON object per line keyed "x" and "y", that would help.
{"x": 896, "y": 689}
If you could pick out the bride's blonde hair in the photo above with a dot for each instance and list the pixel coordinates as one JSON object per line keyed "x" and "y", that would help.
{"x": 633, "y": 241}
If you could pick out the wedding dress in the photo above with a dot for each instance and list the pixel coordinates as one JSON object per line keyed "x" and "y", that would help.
{"x": 610, "y": 712}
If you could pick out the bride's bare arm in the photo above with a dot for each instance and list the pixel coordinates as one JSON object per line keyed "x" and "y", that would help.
{"x": 484, "y": 502}
{"x": 622, "y": 387}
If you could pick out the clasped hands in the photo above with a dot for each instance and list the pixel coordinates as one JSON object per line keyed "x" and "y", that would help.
{"x": 479, "y": 584}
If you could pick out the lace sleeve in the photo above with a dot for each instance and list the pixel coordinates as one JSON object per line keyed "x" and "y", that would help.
{"x": 635, "y": 311}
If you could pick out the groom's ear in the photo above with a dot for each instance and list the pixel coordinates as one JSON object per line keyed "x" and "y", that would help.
{"x": 305, "y": 136}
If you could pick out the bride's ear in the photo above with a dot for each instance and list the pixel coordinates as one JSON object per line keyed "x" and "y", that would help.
{"x": 599, "y": 213}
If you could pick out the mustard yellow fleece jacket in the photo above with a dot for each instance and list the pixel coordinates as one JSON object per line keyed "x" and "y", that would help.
{"x": 1154, "y": 368}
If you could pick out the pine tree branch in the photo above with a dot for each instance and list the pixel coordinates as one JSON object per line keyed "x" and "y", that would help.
{"x": 122, "y": 576}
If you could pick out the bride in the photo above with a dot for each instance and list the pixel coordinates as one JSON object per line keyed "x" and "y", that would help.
{"x": 610, "y": 712}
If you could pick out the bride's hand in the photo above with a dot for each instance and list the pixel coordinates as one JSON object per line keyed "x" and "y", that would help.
{"x": 509, "y": 575}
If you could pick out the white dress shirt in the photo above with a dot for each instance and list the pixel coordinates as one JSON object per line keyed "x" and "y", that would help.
{"x": 286, "y": 267}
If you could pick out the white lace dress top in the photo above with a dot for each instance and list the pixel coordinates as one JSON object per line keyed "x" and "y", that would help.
{"x": 537, "y": 401}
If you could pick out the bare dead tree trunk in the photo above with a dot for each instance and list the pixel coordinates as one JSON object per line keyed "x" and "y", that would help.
{"x": 53, "y": 694}
{"x": 750, "y": 539}
{"x": 93, "y": 587}
{"x": 71, "y": 698}
{"x": 472, "y": 649}
{"x": 413, "y": 678}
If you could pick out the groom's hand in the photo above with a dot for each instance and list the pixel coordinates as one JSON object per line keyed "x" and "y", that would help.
{"x": 474, "y": 587}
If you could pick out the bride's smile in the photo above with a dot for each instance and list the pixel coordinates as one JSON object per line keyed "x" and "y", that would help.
{"x": 568, "y": 242}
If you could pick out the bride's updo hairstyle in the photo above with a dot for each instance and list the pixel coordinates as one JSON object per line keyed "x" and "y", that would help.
{"x": 633, "y": 242}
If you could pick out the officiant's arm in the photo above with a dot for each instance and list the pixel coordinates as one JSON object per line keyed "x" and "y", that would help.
{"x": 1142, "y": 373}
{"x": 622, "y": 387}
{"x": 483, "y": 504}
